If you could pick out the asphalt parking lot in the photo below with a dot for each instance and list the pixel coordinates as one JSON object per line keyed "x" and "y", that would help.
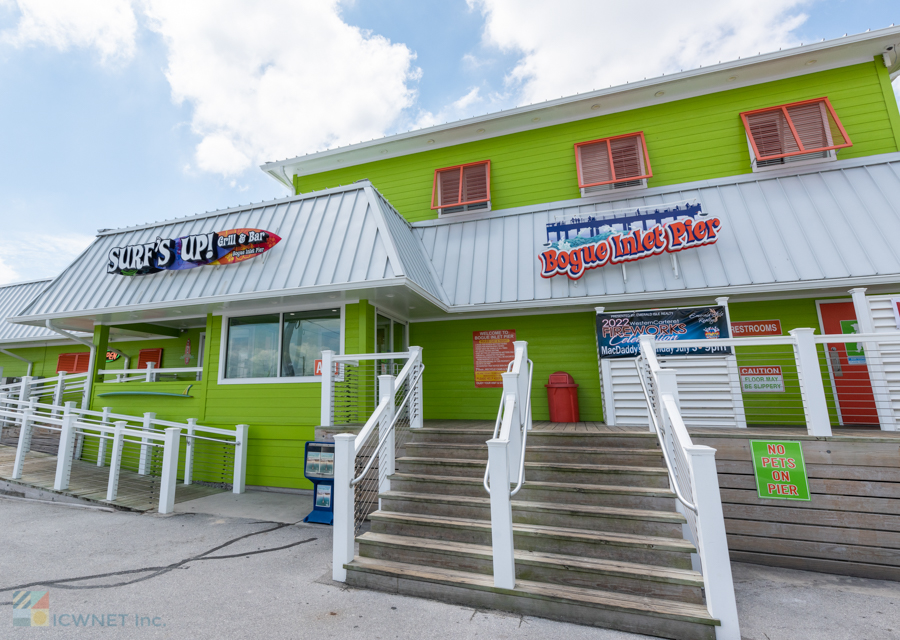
{"x": 207, "y": 575}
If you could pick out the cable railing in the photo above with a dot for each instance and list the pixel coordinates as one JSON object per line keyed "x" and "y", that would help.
{"x": 506, "y": 461}
{"x": 364, "y": 462}
{"x": 151, "y": 374}
{"x": 146, "y": 446}
{"x": 694, "y": 479}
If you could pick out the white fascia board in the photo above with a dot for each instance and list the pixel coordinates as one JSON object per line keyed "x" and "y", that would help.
{"x": 757, "y": 69}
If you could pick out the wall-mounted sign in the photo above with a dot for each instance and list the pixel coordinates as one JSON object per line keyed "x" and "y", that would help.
{"x": 779, "y": 469}
{"x": 856, "y": 354}
{"x": 187, "y": 252}
{"x": 579, "y": 243}
{"x": 619, "y": 334}
{"x": 761, "y": 379}
{"x": 317, "y": 371}
{"x": 494, "y": 350}
{"x": 112, "y": 356}
{"x": 756, "y": 328}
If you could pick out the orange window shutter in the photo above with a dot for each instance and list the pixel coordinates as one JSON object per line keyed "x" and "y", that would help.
{"x": 150, "y": 355}
{"x": 475, "y": 186}
{"x": 449, "y": 187}
{"x": 628, "y": 160}
{"x": 609, "y": 160}
{"x": 595, "y": 165}
{"x": 462, "y": 185}
{"x": 810, "y": 126}
{"x": 67, "y": 362}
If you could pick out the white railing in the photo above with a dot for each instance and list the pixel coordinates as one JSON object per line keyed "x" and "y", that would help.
{"x": 145, "y": 433}
{"x": 384, "y": 433}
{"x": 694, "y": 479}
{"x": 506, "y": 461}
{"x": 150, "y": 374}
{"x": 57, "y": 388}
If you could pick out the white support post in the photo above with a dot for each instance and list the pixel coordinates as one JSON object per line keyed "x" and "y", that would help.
{"x": 144, "y": 459}
{"x": 26, "y": 428}
{"x": 79, "y": 437}
{"x": 169, "y": 479}
{"x": 189, "y": 451}
{"x": 514, "y": 437}
{"x": 25, "y": 389}
{"x": 327, "y": 401}
{"x": 344, "y": 504}
{"x": 59, "y": 391}
{"x": 242, "y": 435}
{"x": 115, "y": 462}
{"x": 151, "y": 376}
{"x": 101, "y": 448}
{"x": 874, "y": 362}
{"x": 416, "y": 404}
{"x": 811, "y": 388}
{"x": 501, "y": 515}
{"x": 386, "y": 464}
{"x": 64, "y": 453}
{"x": 523, "y": 391}
{"x": 713, "y": 545}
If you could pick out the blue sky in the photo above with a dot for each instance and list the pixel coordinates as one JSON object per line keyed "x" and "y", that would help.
{"x": 117, "y": 112}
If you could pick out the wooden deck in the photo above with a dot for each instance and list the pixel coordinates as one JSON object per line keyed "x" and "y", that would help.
{"x": 89, "y": 482}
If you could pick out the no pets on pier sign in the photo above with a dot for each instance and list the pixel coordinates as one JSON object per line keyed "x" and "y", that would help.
{"x": 779, "y": 469}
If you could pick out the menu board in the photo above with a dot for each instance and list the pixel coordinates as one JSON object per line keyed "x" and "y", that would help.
{"x": 494, "y": 350}
{"x": 320, "y": 460}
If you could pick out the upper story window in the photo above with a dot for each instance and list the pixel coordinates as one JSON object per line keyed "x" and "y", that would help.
{"x": 619, "y": 162}
{"x": 798, "y": 132}
{"x": 465, "y": 187}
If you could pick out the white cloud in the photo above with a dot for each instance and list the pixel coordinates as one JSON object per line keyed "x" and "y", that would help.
{"x": 45, "y": 257}
{"x": 270, "y": 80}
{"x": 454, "y": 111}
{"x": 572, "y": 46}
{"x": 108, "y": 26}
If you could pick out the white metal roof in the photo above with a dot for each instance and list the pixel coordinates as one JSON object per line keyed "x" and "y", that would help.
{"x": 804, "y": 229}
{"x": 329, "y": 240}
{"x": 13, "y": 298}
{"x": 746, "y": 71}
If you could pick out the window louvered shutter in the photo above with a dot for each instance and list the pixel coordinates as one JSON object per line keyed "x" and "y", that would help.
{"x": 462, "y": 186}
{"x": 73, "y": 362}
{"x": 772, "y": 134}
{"x": 475, "y": 183}
{"x": 809, "y": 122}
{"x": 150, "y": 355}
{"x": 618, "y": 159}
{"x": 792, "y": 130}
{"x": 449, "y": 187}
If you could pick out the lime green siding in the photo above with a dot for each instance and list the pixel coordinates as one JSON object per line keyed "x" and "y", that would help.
{"x": 44, "y": 359}
{"x": 692, "y": 139}
{"x": 556, "y": 342}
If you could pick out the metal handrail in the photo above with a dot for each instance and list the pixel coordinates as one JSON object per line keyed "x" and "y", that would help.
{"x": 383, "y": 438}
{"x": 673, "y": 480}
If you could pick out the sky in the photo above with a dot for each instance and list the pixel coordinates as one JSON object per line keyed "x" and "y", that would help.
{"x": 121, "y": 112}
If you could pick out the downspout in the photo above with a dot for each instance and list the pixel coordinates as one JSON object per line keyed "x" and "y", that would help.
{"x": 17, "y": 357}
{"x": 89, "y": 381}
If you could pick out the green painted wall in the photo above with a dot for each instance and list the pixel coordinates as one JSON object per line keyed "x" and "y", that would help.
{"x": 44, "y": 359}
{"x": 692, "y": 139}
{"x": 557, "y": 342}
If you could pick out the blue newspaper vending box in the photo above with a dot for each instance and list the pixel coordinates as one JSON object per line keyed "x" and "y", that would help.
{"x": 318, "y": 467}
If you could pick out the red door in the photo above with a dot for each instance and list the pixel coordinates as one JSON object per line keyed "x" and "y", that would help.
{"x": 847, "y": 363}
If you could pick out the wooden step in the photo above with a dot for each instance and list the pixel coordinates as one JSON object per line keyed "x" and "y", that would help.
{"x": 579, "y": 516}
{"x": 560, "y": 492}
{"x": 643, "y": 549}
{"x": 625, "y": 612}
{"x": 594, "y": 573}
{"x": 638, "y": 439}
{"x": 541, "y": 453}
{"x": 543, "y": 471}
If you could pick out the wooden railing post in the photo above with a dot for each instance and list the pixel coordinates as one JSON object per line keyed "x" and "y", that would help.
{"x": 344, "y": 505}
{"x": 241, "y": 437}
{"x": 811, "y": 388}
{"x": 64, "y": 453}
{"x": 101, "y": 447}
{"x": 514, "y": 447}
{"x": 386, "y": 463}
{"x": 144, "y": 459}
{"x": 26, "y": 429}
{"x": 151, "y": 376}
{"x": 713, "y": 545}
{"x": 189, "y": 451}
{"x": 168, "y": 479}
{"x": 416, "y": 405}
{"x": 115, "y": 462}
{"x": 501, "y": 515}
{"x": 327, "y": 402}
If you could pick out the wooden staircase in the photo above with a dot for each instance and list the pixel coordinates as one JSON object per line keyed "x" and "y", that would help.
{"x": 597, "y": 538}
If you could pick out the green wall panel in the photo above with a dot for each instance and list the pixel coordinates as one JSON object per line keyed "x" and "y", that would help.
{"x": 693, "y": 139}
{"x": 557, "y": 342}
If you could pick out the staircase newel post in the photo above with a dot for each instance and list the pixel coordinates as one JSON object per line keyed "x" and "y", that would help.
{"x": 712, "y": 546}
{"x": 144, "y": 459}
{"x": 344, "y": 504}
{"x": 101, "y": 447}
{"x": 416, "y": 407}
{"x": 514, "y": 436}
{"x": 169, "y": 478}
{"x": 501, "y": 515}
{"x": 64, "y": 453}
{"x": 327, "y": 401}
{"x": 26, "y": 429}
{"x": 115, "y": 461}
{"x": 25, "y": 389}
{"x": 189, "y": 451}
{"x": 242, "y": 440}
{"x": 79, "y": 437}
{"x": 385, "y": 434}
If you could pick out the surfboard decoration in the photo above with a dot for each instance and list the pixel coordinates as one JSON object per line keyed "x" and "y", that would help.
{"x": 204, "y": 249}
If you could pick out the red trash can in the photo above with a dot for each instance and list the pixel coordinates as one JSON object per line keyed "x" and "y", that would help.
{"x": 562, "y": 394}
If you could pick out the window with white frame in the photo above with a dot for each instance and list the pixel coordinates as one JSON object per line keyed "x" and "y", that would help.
{"x": 280, "y": 345}
{"x": 608, "y": 164}
{"x": 465, "y": 187}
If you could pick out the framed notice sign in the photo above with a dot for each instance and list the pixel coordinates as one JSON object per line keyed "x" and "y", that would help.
{"x": 762, "y": 379}
{"x": 779, "y": 469}
{"x": 494, "y": 350}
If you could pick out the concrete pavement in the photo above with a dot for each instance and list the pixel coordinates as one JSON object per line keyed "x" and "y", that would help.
{"x": 208, "y": 575}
